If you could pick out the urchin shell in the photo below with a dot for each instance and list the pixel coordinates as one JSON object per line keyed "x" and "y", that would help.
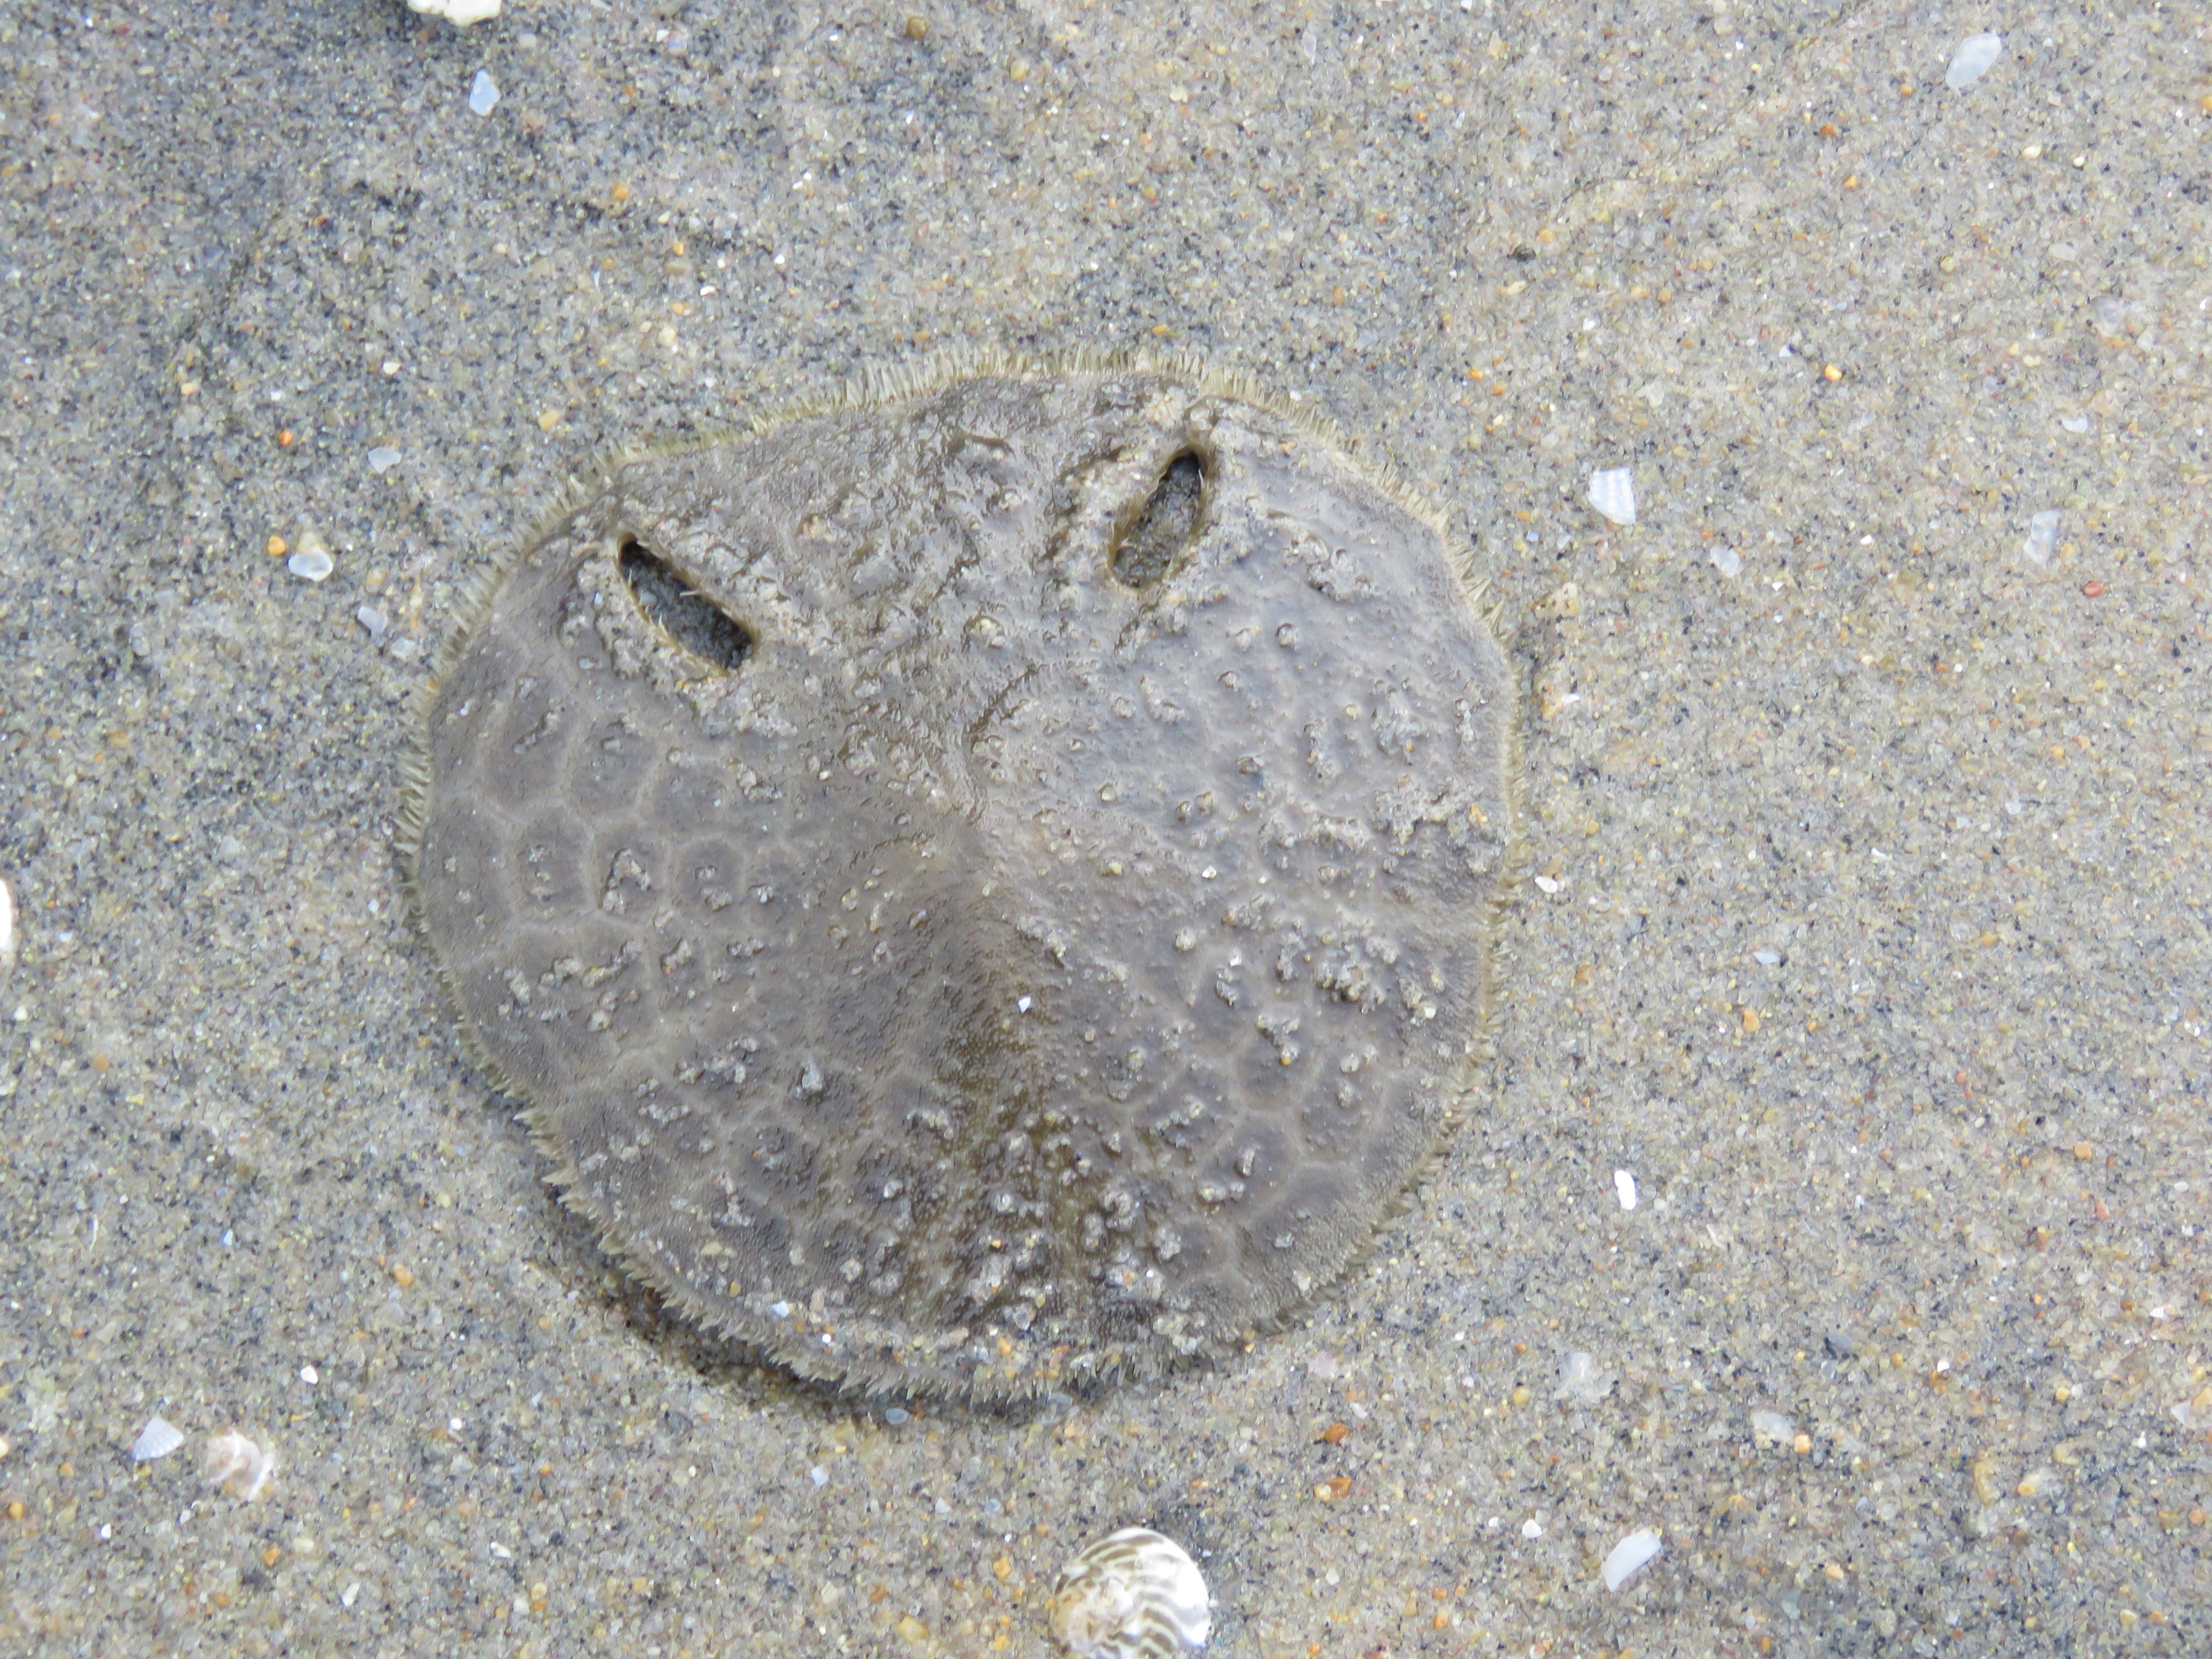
{"x": 1135, "y": 1594}
{"x": 987, "y": 884}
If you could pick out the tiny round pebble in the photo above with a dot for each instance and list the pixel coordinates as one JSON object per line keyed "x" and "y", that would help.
{"x": 2093, "y": 590}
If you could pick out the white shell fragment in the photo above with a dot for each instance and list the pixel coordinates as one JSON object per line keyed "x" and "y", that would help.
{"x": 383, "y": 458}
{"x": 1771, "y": 1428}
{"x": 459, "y": 13}
{"x": 1973, "y": 59}
{"x": 1628, "y": 1556}
{"x": 157, "y": 1439}
{"x": 1581, "y": 1382}
{"x": 7, "y": 929}
{"x": 1727, "y": 560}
{"x": 1624, "y": 1188}
{"x": 1132, "y": 1595}
{"x": 311, "y": 563}
{"x": 1613, "y": 493}
{"x": 2042, "y": 538}
{"x": 238, "y": 1466}
{"x": 484, "y": 94}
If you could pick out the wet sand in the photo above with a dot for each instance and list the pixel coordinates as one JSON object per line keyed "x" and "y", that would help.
{"x": 1869, "y": 825}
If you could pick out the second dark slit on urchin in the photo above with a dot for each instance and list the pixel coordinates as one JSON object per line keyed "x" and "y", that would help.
{"x": 1164, "y": 526}
{"x": 687, "y": 617}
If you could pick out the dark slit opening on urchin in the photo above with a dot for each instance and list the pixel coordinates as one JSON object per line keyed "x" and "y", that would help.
{"x": 686, "y": 616}
{"x": 1165, "y": 527}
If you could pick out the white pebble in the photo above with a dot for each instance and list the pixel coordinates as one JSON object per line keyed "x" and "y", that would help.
{"x": 157, "y": 1439}
{"x": 1628, "y": 1556}
{"x": 7, "y": 929}
{"x": 311, "y": 563}
{"x": 1613, "y": 493}
{"x": 2042, "y": 538}
{"x": 818, "y": 1476}
{"x": 2075, "y": 423}
{"x": 1973, "y": 59}
{"x": 1770, "y": 1427}
{"x": 1727, "y": 560}
{"x": 375, "y": 621}
{"x": 383, "y": 458}
{"x": 1623, "y": 1187}
{"x": 484, "y": 92}
{"x": 310, "y": 1376}
{"x": 1547, "y": 884}
{"x": 1532, "y": 1528}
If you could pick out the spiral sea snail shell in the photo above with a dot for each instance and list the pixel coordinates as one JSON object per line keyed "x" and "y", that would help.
{"x": 1132, "y": 1595}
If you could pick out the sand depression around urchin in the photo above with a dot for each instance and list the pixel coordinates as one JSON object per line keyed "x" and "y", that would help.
{"x": 986, "y": 885}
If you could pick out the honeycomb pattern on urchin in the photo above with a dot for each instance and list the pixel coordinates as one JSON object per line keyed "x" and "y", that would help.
{"x": 987, "y": 884}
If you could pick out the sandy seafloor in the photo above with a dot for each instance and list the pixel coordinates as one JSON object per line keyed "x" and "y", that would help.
{"x": 1876, "y": 854}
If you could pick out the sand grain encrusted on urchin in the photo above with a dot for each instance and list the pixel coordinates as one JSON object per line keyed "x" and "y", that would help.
{"x": 986, "y": 883}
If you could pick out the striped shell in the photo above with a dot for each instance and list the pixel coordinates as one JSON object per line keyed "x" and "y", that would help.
{"x": 1132, "y": 1595}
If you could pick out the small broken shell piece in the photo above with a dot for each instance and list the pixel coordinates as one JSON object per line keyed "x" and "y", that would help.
{"x": 157, "y": 1439}
{"x": 7, "y": 930}
{"x": 459, "y": 13}
{"x": 1132, "y": 1595}
{"x": 238, "y": 1466}
{"x": 1628, "y": 1557}
{"x": 1613, "y": 493}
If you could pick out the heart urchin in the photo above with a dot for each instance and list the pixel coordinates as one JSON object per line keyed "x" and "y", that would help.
{"x": 986, "y": 883}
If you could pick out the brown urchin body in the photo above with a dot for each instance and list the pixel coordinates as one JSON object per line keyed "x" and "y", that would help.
{"x": 985, "y": 885}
